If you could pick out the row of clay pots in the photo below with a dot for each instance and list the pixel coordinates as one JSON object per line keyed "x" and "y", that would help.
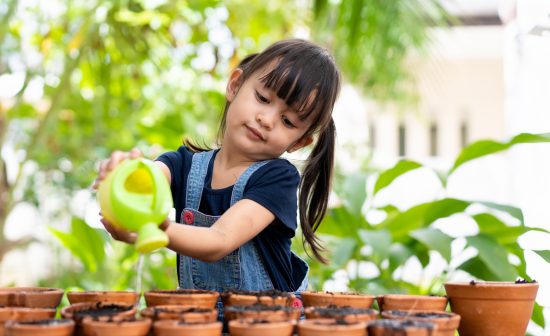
{"x": 493, "y": 301}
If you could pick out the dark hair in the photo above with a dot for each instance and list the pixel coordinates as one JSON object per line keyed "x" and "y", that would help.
{"x": 300, "y": 69}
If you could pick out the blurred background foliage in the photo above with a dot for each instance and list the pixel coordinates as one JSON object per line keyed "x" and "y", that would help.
{"x": 89, "y": 77}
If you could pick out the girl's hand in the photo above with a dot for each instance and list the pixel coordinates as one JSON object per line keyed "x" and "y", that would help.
{"x": 119, "y": 234}
{"x": 116, "y": 158}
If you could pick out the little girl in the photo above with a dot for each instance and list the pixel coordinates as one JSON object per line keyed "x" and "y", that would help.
{"x": 236, "y": 205}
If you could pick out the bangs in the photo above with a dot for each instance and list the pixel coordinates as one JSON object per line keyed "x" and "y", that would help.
{"x": 303, "y": 76}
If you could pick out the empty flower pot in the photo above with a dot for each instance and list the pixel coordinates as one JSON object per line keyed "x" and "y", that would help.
{"x": 49, "y": 327}
{"x": 331, "y": 327}
{"x": 267, "y": 297}
{"x": 188, "y": 297}
{"x": 119, "y": 327}
{"x": 262, "y": 312}
{"x": 31, "y": 297}
{"x": 320, "y": 299}
{"x": 186, "y": 314}
{"x": 411, "y": 302}
{"x": 446, "y": 323}
{"x": 400, "y": 328}
{"x": 23, "y": 314}
{"x": 126, "y": 297}
{"x": 492, "y": 308}
{"x": 180, "y": 328}
{"x": 255, "y": 327}
{"x": 347, "y": 313}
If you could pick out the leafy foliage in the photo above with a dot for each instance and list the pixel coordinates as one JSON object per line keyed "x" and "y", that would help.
{"x": 410, "y": 234}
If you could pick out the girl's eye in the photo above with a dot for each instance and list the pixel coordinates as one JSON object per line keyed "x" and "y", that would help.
{"x": 261, "y": 98}
{"x": 287, "y": 122}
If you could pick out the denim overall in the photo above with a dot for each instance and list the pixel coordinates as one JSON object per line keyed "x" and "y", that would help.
{"x": 242, "y": 269}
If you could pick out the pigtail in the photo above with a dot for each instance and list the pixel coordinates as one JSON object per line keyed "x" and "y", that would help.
{"x": 315, "y": 188}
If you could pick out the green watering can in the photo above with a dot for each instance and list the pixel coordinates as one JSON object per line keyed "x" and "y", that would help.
{"x": 136, "y": 196}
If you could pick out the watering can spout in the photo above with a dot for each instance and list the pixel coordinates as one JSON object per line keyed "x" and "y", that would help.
{"x": 136, "y": 197}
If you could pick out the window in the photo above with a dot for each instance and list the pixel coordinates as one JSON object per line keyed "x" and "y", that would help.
{"x": 402, "y": 139}
{"x": 464, "y": 134}
{"x": 433, "y": 139}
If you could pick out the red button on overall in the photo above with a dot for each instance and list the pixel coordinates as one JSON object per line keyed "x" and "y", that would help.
{"x": 297, "y": 303}
{"x": 188, "y": 217}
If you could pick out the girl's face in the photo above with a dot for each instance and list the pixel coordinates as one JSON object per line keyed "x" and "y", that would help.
{"x": 259, "y": 124}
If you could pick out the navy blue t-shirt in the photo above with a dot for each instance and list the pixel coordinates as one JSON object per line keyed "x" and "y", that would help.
{"x": 273, "y": 186}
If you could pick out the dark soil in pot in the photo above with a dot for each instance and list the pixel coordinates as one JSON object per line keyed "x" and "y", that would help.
{"x": 400, "y": 328}
{"x": 273, "y": 313}
{"x": 446, "y": 323}
{"x": 268, "y": 297}
{"x": 347, "y": 313}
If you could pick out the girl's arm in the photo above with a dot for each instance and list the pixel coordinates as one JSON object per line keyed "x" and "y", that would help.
{"x": 239, "y": 224}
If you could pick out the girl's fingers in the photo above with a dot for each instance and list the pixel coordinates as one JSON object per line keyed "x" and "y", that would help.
{"x": 135, "y": 153}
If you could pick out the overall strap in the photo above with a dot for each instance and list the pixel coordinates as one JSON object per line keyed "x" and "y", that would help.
{"x": 238, "y": 188}
{"x": 195, "y": 179}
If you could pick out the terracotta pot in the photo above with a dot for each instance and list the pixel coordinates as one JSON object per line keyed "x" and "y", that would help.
{"x": 186, "y": 314}
{"x": 446, "y": 323}
{"x": 255, "y": 327}
{"x": 51, "y": 327}
{"x": 23, "y": 314}
{"x": 188, "y": 297}
{"x": 348, "y": 314}
{"x": 262, "y": 312}
{"x": 267, "y": 297}
{"x": 411, "y": 302}
{"x": 126, "y": 297}
{"x": 331, "y": 327}
{"x": 321, "y": 299}
{"x": 123, "y": 327}
{"x": 31, "y": 297}
{"x": 400, "y": 328}
{"x": 179, "y": 328}
{"x": 492, "y": 308}
{"x": 101, "y": 310}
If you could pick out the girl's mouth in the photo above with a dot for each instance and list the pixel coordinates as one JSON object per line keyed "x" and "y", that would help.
{"x": 254, "y": 133}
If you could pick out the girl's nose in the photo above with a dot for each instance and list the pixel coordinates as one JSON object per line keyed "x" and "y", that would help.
{"x": 266, "y": 119}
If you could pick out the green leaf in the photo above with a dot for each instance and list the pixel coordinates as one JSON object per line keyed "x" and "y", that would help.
{"x": 434, "y": 239}
{"x": 354, "y": 192}
{"x": 491, "y": 225}
{"x": 544, "y": 254}
{"x": 343, "y": 253}
{"x": 379, "y": 240}
{"x": 399, "y": 254}
{"x": 422, "y": 215}
{"x": 72, "y": 244}
{"x": 538, "y": 315}
{"x": 486, "y": 147}
{"x": 477, "y": 268}
{"x": 493, "y": 256}
{"x": 387, "y": 177}
{"x": 511, "y": 210}
{"x": 340, "y": 222}
{"x": 90, "y": 239}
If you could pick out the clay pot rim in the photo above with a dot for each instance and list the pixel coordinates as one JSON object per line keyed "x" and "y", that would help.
{"x": 289, "y": 295}
{"x": 176, "y": 308}
{"x": 24, "y": 325}
{"x": 368, "y": 311}
{"x": 249, "y": 323}
{"x": 27, "y": 309}
{"x": 450, "y": 315}
{"x": 326, "y": 323}
{"x": 174, "y": 324}
{"x": 412, "y": 296}
{"x": 246, "y": 307}
{"x": 491, "y": 284}
{"x": 31, "y": 290}
{"x": 170, "y": 293}
{"x": 338, "y": 294}
{"x": 122, "y": 322}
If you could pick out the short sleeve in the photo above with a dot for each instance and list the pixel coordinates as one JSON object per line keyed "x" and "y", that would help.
{"x": 179, "y": 163}
{"x": 275, "y": 186}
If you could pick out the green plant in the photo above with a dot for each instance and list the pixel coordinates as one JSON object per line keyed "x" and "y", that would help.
{"x": 410, "y": 233}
